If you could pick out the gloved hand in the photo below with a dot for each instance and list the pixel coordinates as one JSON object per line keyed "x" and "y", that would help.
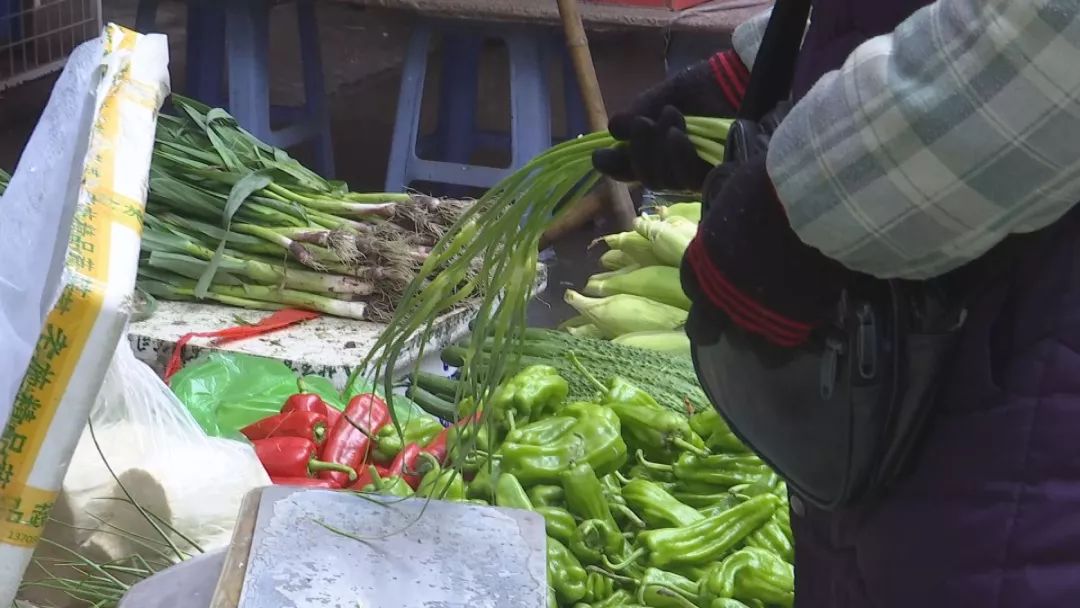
{"x": 655, "y": 149}
{"x": 747, "y": 266}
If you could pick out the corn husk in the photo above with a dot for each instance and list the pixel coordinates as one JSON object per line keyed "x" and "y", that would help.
{"x": 660, "y": 283}
{"x": 631, "y": 243}
{"x": 623, "y": 313}
{"x": 615, "y": 260}
{"x": 669, "y": 238}
{"x": 690, "y": 211}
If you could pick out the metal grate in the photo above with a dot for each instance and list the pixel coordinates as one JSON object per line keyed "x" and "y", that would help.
{"x": 36, "y": 36}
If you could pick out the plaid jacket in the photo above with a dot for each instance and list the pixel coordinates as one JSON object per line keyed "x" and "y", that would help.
{"x": 932, "y": 144}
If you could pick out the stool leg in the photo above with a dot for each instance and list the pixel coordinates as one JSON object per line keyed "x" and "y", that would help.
{"x": 410, "y": 99}
{"x": 530, "y": 107}
{"x": 146, "y": 16}
{"x": 249, "y": 87}
{"x": 458, "y": 96}
{"x": 205, "y": 51}
{"x": 314, "y": 86}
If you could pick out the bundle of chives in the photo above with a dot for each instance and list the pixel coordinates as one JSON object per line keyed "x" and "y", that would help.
{"x": 490, "y": 253}
{"x": 252, "y": 226}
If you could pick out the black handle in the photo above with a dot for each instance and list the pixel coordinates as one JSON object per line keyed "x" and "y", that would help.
{"x": 774, "y": 66}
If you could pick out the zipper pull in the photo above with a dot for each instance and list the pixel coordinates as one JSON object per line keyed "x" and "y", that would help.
{"x": 867, "y": 342}
{"x": 830, "y": 364}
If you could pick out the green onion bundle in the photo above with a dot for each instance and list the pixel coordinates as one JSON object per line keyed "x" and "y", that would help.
{"x": 233, "y": 220}
{"x": 491, "y": 254}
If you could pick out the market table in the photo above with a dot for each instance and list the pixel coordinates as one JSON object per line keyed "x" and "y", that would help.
{"x": 715, "y": 17}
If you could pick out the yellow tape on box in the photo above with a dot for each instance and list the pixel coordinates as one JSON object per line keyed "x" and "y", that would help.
{"x": 82, "y": 330}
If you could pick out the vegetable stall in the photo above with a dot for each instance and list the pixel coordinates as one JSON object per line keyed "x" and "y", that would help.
{"x": 598, "y": 427}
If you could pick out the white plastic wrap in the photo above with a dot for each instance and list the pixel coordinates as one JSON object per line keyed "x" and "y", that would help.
{"x": 192, "y": 482}
{"x": 69, "y": 241}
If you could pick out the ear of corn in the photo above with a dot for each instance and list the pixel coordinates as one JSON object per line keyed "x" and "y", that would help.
{"x": 635, "y": 245}
{"x": 659, "y": 283}
{"x": 690, "y": 211}
{"x": 672, "y": 342}
{"x": 624, "y": 313}
{"x": 615, "y": 260}
{"x": 669, "y": 238}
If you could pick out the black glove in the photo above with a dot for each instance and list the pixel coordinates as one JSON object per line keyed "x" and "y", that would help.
{"x": 655, "y": 149}
{"x": 748, "y": 267}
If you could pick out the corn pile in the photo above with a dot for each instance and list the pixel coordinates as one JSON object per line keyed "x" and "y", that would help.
{"x": 640, "y": 301}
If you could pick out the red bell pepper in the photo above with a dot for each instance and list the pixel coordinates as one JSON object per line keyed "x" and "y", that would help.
{"x": 350, "y": 440}
{"x": 295, "y": 457}
{"x": 309, "y": 425}
{"x": 311, "y": 402}
{"x": 407, "y": 465}
{"x": 437, "y": 447}
{"x": 304, "y": 402}
{"x": 303, "y": 482}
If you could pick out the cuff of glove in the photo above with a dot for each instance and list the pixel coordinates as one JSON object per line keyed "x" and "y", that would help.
{"x": 731, "y": 75}
{"x": 741, "y": 308}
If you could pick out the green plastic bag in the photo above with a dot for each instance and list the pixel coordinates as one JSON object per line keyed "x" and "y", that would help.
{"x": 227, "y": 391}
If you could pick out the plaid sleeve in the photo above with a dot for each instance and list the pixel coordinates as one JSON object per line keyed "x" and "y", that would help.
{"x": 747, "y": 37}
{"x": 932, "y": 144}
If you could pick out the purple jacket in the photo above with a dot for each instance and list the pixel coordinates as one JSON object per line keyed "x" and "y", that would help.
{"x": 990, "y": 514}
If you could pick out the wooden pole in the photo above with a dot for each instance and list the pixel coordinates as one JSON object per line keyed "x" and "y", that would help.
{"x": 622, "y": 206}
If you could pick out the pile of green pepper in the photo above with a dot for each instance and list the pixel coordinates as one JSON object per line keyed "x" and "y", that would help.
{"x": 643, "y": 506}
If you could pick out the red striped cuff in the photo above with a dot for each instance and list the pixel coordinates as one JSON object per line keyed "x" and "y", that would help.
{"x": 731, "y": 74}
{"x": 744, "y": 310}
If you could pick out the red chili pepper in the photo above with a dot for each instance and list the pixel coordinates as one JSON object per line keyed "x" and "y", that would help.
{"x": 303, "y": 482}
{"x": 305, "y": 402}
{"x": 295, "y": 457}
{"x": 350, "y": 445}
{"x": 309, "y": 425}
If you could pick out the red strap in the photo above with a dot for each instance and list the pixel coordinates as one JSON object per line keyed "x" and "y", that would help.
{"x": 278, "y": 320}
{"x": 731, "y": 74}
{"x": 744, "y": 310}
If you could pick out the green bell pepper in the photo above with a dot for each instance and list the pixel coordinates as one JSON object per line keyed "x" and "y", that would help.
{"x": 442, "y": 484}
{"x": 706, "y": 540}
{"x": 772, "y": 537}
{"x": 594, "y": 439}
{"x": 565, "y": 574}
{"x": 391, "y": 486}
{"x": 585, "y": 493}
{"x": 657, "y": 507}
{"x": 716, "y": 470}
{"x": 534, "y": 391}
{"x": 618, "y": 599}
{"x": 660, "y": 589}
{"x": 750, "y": 574}
{"x": 417, "y": 429}
{"x": 658, "y": 431}
{"x": 657, "y": 579}
{"x": 559, "y": 523}
{"x": 598, "y": 587}
{"x": 542, "y": 431}
{"x": 546, "y": 495}
{"x": 510, "y": 494}
{"x": 706, "y": 422}
{"x": 487, "y": 474}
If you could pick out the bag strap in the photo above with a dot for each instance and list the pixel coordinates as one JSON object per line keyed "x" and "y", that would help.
{"x": 774, "y": 65}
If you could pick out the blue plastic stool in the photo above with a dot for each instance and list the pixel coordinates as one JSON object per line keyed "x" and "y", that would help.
{"x": 531, "y": 50}
{"x": 237, "y": 31}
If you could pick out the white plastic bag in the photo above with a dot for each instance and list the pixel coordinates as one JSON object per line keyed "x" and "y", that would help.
{"x": 192, "y": 482}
